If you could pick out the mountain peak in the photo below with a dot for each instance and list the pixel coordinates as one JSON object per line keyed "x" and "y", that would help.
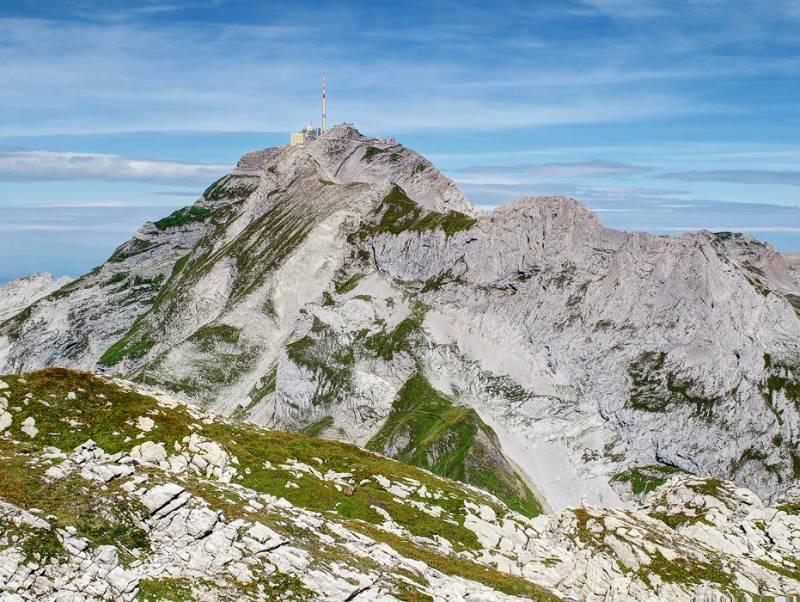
{"x": 343, "y": 156}
{"x": 347, "y": 288}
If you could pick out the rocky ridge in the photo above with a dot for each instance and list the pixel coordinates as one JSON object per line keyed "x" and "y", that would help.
{"x": 349, "y": 290}
{"x": 162, "y": 501}
{"x": 18, "y": 294}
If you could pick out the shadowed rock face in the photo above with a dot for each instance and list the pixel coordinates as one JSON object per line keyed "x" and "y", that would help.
{"x": 308, "y": 287}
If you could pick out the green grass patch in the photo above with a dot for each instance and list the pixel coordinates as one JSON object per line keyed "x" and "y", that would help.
{"x": 125, "y": 348}
{"x": 690, "y": 572}
{"x": 349, "y": 284}
{"x": 209, "y": 338}
{"x": 329, "y": 362}
{"x": 644, "y": 479}
{"x": 400, "y": 339}
{"x": 655, "y": 388}
{"x": 327, "y": 300}
{"x": 116, "y": 278}
{"x": 315, "y": 428}
{"x": 174, "y": 590}
{"x": 102, "y": 410}
{"x": 133, "y": 247}
{"x": 780, "y": 379}
{"x": 230, "y": 187}
{"x": 259, "y": 391}
{"x": 780, "y": 569}
{"x": 794, "y": 301}
{"x": 186, "y": 215}
{"x": 398, "y": 213}
{"x": 372, "y": 152}
{"x": 425, "y": 428}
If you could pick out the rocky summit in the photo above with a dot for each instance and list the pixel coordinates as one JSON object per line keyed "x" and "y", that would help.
{"x": 610, "y": 407}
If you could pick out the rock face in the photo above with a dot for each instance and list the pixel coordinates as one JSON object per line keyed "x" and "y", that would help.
{"x": 18, "y": 294}
{"x": 309, "y": 288}
{"x": 226, "y": 510}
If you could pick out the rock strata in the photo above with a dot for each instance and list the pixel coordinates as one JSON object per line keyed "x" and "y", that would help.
{"x": 347, "y": 289}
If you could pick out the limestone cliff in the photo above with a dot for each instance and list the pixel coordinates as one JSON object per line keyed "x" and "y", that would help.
{"x": 309, "y": 287}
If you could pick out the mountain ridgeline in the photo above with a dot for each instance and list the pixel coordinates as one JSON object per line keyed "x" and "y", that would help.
{"x": 347, "y": 290}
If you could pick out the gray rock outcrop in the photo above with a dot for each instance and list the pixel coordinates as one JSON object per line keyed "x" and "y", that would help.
{"x": 305, "y": 289}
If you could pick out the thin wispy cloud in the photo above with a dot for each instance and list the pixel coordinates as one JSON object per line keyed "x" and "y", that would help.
{"x": 738, "y": 176}
{"x": 178, "y": 193}
{"x": 32, "y": 166}
{"x": 485, "y": 191}
{"x": 93, "y": 76}
{"x": 581, "y": 169}
{"x": 79, "y": 205}
{"x": 50, "y": 227}
{"x": 727, "y": 228}
{"x": 628, "y": 9}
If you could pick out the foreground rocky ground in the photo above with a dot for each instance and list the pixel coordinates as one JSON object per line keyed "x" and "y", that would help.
{"x": 112, "y": 492}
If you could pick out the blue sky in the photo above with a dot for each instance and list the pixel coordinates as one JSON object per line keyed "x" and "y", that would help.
{"x": 663, "y": 116}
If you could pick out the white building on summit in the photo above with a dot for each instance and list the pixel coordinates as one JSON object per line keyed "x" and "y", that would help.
{"x": 309, "y": 132}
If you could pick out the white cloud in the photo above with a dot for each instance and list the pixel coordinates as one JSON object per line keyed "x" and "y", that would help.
{"x": 83, "y": 205}
{"x": 488, "y": 180}
{"x": 50, "y": 227}
{"x": 580, "y": 169}
{"x": 789, "y": 229}
{"x": 739, "y": 176}
{"x": 70, "y": 76}
{"x": 628, "y": 9}
{"x": 29, "y": 166}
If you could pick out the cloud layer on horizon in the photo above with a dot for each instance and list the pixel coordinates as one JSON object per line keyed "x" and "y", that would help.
{"x": 738, "y": 176}
{"x": 578, "y": 169}
{"x": 39, "y": 166}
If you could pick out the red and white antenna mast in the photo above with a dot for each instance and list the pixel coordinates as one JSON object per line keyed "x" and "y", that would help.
{"x": 324, "y": 105}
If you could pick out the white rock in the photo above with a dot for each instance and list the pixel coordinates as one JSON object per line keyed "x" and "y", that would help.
{"x": 160, "y": 495}
{"x": 28, "y": 427}
{"x": 149, "y": 452}
{"x": 121, "y": 580}
{"x": 145, "y": 423}
{"x": 106, "y": 472}
{"x": 5, "y": 420}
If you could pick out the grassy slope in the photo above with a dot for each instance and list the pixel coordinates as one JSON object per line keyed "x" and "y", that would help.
{"x": 644, "y": 479}
{"x": 427, "y": 429}
{"x": 142, "y": 335}
{"x": 185, "y": 215}
{"x": 398, "y": 213}
{"x": 106, "y": 413}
